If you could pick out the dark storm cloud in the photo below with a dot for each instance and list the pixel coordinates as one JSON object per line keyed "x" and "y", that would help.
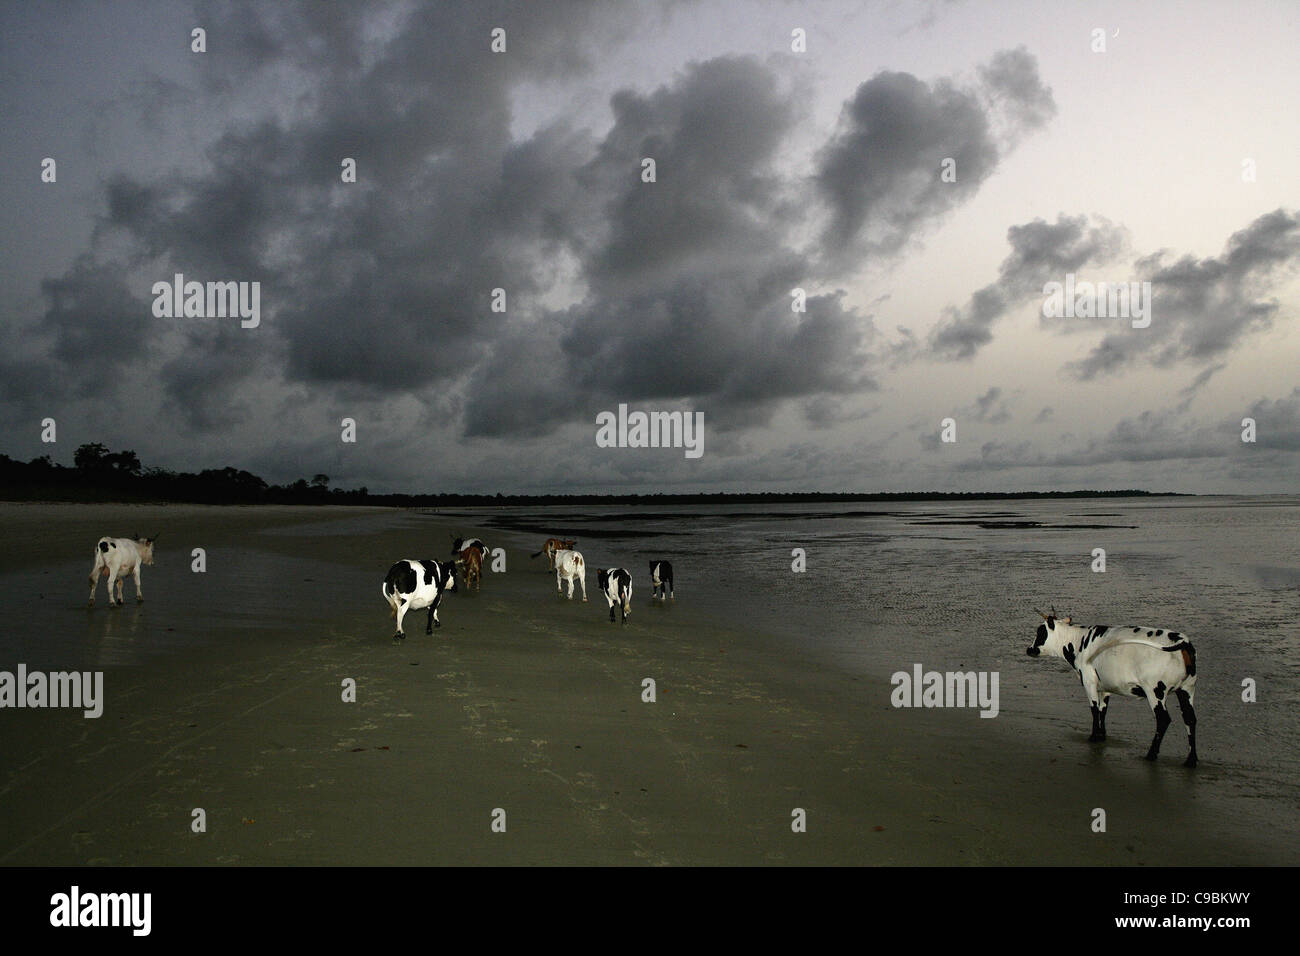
{"x": 1202, "y": 308}
{"x": 1041, "y": 252}
{"x": 384, "y": 283}
{"x": 880, "y": 174}
{"x": 690, "y": 280}
{"x": 382, "y": 288}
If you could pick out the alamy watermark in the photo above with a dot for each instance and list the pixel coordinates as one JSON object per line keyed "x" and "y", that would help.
{"x": 1100, "y": 300}
{"x": 651, "y": 430}
{"x": 78, "y": 689}
{"x": 213, "y": 300}
{"x": 922, "y": 688}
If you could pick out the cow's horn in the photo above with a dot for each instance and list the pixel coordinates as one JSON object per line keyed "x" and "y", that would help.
{"x": 1040, "y": 614}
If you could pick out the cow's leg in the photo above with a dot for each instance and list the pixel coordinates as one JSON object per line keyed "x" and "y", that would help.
{"x": 670, "y": 589}
{"x": 611, "y": 611}
{"x": 95, "y": 575}
{"x": 113, "y": 590}
{"x": 1105, "y": 703}
{"x": 1088, "y": 676}
{"x": 583, "y": 581}
{"x": 403, "y": 605}
{"x": 1155, "y": 697}
{"x": 559, "y": 586}
{"x": 1189, "y": 718}
{"x": 135, "y": 576}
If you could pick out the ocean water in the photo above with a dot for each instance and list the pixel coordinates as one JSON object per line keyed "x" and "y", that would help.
{"x": 953, "y": 587}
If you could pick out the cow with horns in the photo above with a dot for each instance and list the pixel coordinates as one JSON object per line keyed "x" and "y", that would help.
{"x": 117, "y": 559}
{"x": 1147, "y": 662}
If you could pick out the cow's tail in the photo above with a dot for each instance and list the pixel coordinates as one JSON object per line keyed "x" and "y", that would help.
{"x": 101, "y": 559}
{"x": 389, "y": 595}
{"x": 537, "y": 554}
{"x": 1189, "y": 655}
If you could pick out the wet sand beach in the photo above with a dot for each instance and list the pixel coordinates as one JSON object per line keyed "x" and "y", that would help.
{"x": 223, "y": 691}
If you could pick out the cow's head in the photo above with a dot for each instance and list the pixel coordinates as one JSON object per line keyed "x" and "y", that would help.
{"x": 1049, "y": 638}
{"x": 146, "y": 548}
{"x": 449, "y": 576}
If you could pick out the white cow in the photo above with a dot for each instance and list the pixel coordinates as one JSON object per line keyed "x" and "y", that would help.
{"x": 1146, "y": 662}
{"x": 118, "y": 559}
{"x": 569, "y": 566}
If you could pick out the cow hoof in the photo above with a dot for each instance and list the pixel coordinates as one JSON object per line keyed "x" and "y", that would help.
{"x": 399, "y": 636}
{"x": 1190, "y": 761}
{"x": 139, "y": 600}
{"x": 1096, "y": 738}
{"x": 1151, "y": 755}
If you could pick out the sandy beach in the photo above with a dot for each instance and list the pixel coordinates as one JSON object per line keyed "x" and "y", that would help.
{"x": 526, "y": 703}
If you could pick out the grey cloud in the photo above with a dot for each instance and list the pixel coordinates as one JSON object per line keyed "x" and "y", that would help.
{"x": 1202, "y": 309}
{"x": 880, "y": 174}
{"x": 1041, "y": 252}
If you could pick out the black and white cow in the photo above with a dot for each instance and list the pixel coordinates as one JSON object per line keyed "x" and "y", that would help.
{"x": 460, "y": 544}
{"x": 661, "y": 580}
{"x": 411, "y": 585}
{"x": 616, "y": 585}
{"x": 1147, "y": 662}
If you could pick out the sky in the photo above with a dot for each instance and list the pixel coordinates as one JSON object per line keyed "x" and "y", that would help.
{"x": 922, "y": 170}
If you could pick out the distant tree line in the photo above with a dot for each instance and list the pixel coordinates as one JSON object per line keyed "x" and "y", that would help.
{"x": 100, "y": 475}
{"x": 97, "y": 474}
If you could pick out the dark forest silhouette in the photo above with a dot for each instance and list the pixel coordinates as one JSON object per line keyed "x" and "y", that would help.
{"x": 100, "y": 475}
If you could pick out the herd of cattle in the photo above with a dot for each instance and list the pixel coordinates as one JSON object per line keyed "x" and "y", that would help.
{"x": 413, "y": 585}
{"x": 1151, "y": 663}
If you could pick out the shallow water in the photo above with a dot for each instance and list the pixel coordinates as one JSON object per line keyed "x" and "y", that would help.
{"x": 953, "y": 587}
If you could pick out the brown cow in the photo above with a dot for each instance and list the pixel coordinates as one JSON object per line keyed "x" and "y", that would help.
{"x": 551, "y": 546}
{"x": 471, "y": 560}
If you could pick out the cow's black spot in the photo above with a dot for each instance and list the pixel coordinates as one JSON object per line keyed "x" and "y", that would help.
{"x": 1068, "y": 653}
{"x": 1138, "y": 692}
{"x": 1173, "y": 635}
{"x": 430, "y": 571}
{"x": 400, "y": 578}
{"x": 1149, "y": 634}
{"x": 1040, "y": 637}
{"x": 1136, "y": 629}
{"x": 1160, "y": 690}
{"x": 1158, "y": 633}
{"x": 103, "y": 546}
